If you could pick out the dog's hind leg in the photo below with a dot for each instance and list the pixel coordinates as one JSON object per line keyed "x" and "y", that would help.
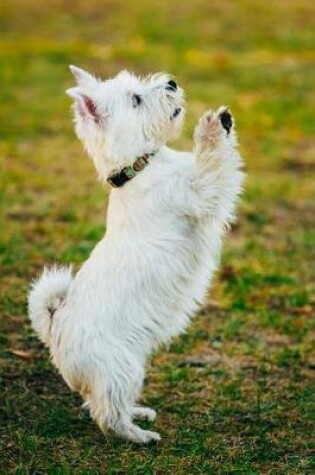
{"x": 112, "y": 400}
{"x": 113, "y": 413}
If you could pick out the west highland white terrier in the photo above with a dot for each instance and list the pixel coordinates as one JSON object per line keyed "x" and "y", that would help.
{"x": 167, "y": 214}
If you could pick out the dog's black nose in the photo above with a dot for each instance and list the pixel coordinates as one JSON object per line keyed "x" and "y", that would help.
{"x": 171, "y": 85}
{"x": 226, "y": 120}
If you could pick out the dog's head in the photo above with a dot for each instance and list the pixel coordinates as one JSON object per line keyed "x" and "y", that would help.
{"x": 125, "y": 117}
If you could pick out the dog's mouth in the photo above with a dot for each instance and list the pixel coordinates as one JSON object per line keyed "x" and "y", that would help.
{"x": 176, "y": 112}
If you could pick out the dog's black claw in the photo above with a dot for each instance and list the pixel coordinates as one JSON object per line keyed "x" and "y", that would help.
{"x": 226, "y": 120}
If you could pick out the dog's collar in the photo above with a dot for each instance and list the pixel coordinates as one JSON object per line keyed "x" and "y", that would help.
{"x": 127, "y": 173}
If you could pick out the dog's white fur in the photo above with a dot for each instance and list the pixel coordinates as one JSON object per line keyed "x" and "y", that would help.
{"x": 147, "y": 276}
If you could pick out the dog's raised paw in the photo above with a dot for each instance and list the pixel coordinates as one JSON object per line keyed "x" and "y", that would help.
{"x": 208, "y": 129}
{"x": 226, "y": 118}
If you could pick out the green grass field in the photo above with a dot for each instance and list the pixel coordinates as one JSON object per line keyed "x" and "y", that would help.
{"x": 234, "y": 394}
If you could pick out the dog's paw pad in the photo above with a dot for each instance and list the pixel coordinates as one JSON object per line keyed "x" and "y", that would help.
{"x": 226, "y": 119}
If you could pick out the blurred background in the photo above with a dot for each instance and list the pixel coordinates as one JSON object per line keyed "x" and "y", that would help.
{"x": 244, "y": 370}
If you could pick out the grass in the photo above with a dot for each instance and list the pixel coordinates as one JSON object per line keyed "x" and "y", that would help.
{"x": 234, "y": 394}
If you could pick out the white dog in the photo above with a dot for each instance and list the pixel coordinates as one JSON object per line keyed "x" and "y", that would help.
{"x": 167, "y": 214}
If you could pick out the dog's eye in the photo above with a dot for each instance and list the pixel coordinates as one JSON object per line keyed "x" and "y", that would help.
{"x": 136, "y": 100}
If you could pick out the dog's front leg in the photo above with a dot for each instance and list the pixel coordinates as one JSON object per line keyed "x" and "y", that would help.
{"x": 217, "y": 180}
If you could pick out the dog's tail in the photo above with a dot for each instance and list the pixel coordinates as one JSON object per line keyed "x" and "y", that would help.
{"x": 46, "y": 295}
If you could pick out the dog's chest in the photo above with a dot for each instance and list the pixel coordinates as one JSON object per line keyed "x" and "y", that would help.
{"x": 165, "y": 250}
{"x": 160, "y": 244}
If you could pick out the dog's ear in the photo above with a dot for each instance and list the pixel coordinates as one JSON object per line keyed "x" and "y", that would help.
{"x": 85, "y": 105}
{"x": 82, "y": 77}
